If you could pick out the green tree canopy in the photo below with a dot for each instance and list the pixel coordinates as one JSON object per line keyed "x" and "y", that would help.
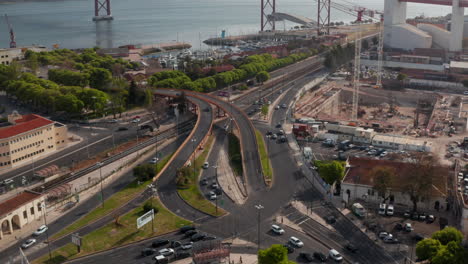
{"x": 331, "y": 172}
{"x": 276, "y": 254}
{"x": 262, "y": 76}
{"x": 427, "y": 248}
{"x": 144, "y": 172}
{"x": 448, "y": 235}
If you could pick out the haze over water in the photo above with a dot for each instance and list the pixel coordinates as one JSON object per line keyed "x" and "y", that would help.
{"x": 68, "y": 22}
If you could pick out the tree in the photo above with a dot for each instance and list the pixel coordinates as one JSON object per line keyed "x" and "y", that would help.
{"x": 265, "y": 110}
{"x": 453, "y": 253}
{"x": 331, "y": 172}
{"x": 262, "y": 76}
{"x": 144, "y": 172}
{"x": 448, "y": 235}
{"x": 148, "y": 98}
{"x": 402, "y": 77}
{"x": 465, "y": 83}
{"x": 421, "y": 175}
{"x": 148, "y": 205}
{"x": 132, "y": 93}
{"x": 383, "y": 179}
{"x": 99, "y": 78}
{"x": 32, "y": 62}
{"x": 276, "y": 254}
{"x": 427, "y": 248}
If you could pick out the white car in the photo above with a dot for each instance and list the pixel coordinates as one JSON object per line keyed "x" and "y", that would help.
{"x": 382, "y": 208}
{"x": 277, "y": 107}
{"x": 28, "y": 243}
{"x": 212, "y": 195}
{"x": 335, "y": 255}
{"x": 296, "y": 242}
{"x": 408, "y": 227}
{"x": 188, "y": 245}
{"x": 166, "y": 251}
{"x": 206, "y": 165}
{"x": 390, "y": 210}
{"x": 136, "y": 120}
{"x": 40, "y": 230}
{"x": 383, "y": 235}
{"x": 277, "y": 229}
{"x": 154, "y": 160}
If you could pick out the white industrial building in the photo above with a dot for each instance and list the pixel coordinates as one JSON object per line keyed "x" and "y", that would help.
{"x": 398, "y": 34}
{"x": 359, "y": 135}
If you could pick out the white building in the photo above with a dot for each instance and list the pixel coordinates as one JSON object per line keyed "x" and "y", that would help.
{"x": 10, "y": 54}
{"x": 401, "y": 143}
{"x": 358, "y": 185}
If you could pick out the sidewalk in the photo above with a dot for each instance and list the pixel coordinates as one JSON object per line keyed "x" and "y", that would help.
{"x": 234, "y": 258}
{"x": 227, "y": 179}
{"x": 113, "y": 171}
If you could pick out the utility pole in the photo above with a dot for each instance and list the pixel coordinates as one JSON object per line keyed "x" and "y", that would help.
{"x": 193, "y": 140}
{"x": 43, "y": 206}
{"x": 259, "y": 207}
{"x": 100, "y": 177}
{"x": 357, "y": 71}
{"x": 216, "y": 175}
{"x": 380, "y": 53}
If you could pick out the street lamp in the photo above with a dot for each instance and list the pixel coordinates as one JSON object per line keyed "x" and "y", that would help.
{"x": 43, "y": 207}
{"x": 216, "y": 176}
{"x": 99, "y": 164}
{"x": 153, "y": 191}
{"x": 259, "y": 207}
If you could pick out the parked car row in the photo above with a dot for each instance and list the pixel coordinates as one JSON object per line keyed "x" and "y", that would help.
{"x": 385, "y": 209}
{"x": 178, "y": 249}
{"x": 31, "y": 241}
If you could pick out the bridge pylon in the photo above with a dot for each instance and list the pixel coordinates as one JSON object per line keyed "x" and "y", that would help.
{"x": 323, "y": 17}
{"x": 103, "y": 5}
{"x": 268, "y": 7}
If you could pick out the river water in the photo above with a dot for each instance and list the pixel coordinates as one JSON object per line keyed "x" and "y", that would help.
{"x": 69, "y": 22}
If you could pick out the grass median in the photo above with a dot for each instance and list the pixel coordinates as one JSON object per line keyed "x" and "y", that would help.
{"x": 113, "y": 202}
{"x": 121, "y": 231}
{"x": 235, "y": 155}
{"x": 189, "y": 189}
{"x": 263, "y": 152}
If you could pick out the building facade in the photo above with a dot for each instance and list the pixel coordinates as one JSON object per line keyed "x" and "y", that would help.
{"x": 19, "y": 211}
{"x": 29, "y": 137}
{"x": 358, "y": 185}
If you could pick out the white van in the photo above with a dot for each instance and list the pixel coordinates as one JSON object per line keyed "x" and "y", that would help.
{"x": 382, "y": 208}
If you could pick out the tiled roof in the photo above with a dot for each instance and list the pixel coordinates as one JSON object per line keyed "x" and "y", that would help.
{"x": 24, "y": 124}
{"x": 359, "y": 173}
{"x": 17, "y": 201}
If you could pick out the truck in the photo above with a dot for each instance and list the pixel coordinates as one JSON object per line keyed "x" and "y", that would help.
{"x": 344, "y": 145}
{"x": 358, "y": 210}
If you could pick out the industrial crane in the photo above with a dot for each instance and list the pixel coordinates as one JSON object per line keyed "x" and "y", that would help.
{"x": 360, "y": 13}
{"x": 12, "y": 33}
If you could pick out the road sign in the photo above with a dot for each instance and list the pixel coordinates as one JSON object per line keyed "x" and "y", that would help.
{"x": 76, "y": 239}
{"x": 144, "y": 219}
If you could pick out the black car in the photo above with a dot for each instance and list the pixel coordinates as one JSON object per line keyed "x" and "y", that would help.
{"x": 122, "y": 129}
{"x": 159, "y": 242}
{"x": 218, "y": 191}
{"x": 204, "y": 182}
{"x": 415, "y": 216}
{"x": 175, "y": 244}
{"x": 407, "y": 214}
{"x": 352, "y": 248}
{"x": 289, "y": 248}
{"x": 331, "y": 219}
{"x": 182, "y": 254}
{"x": 418, "y": 237}
{"x": 148, "y": 252}
{"x": 320, "y": 256}
{"x": 269, "y": 133}
{"x": 186, "y": 228}
{"x": 399, "y": 226}
{"x": 190, "y": 233}
{"x": 206, "y": 109}
{"x": 197, "y": 237}
{"x": 306, "y": 256}
{"x": 282, "y": 139}
{"x": 209, "y": 238}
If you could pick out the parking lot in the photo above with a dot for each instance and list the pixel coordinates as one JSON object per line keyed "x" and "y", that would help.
{"x": 320, "y": 151}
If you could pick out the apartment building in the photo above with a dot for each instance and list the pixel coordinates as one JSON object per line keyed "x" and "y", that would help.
{"x": 29, "y": 137}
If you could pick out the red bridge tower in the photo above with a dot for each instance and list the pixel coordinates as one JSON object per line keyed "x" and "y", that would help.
{"x": 103, "y": 5}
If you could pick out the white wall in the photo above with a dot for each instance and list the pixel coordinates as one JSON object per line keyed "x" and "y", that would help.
{"x": 406, "y": 37}
{"x": 406, "y": 65}
{"x": 440, "y": 37}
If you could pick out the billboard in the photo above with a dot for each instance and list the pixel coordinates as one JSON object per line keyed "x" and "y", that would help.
{"x": 144, "y": 219}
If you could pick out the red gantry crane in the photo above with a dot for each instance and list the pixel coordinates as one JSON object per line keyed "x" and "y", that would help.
{"x": 12, "y": 33}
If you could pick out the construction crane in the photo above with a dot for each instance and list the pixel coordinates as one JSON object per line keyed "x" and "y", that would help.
{"x": 360, "y": 13}
{"x": 12, "y": 33}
